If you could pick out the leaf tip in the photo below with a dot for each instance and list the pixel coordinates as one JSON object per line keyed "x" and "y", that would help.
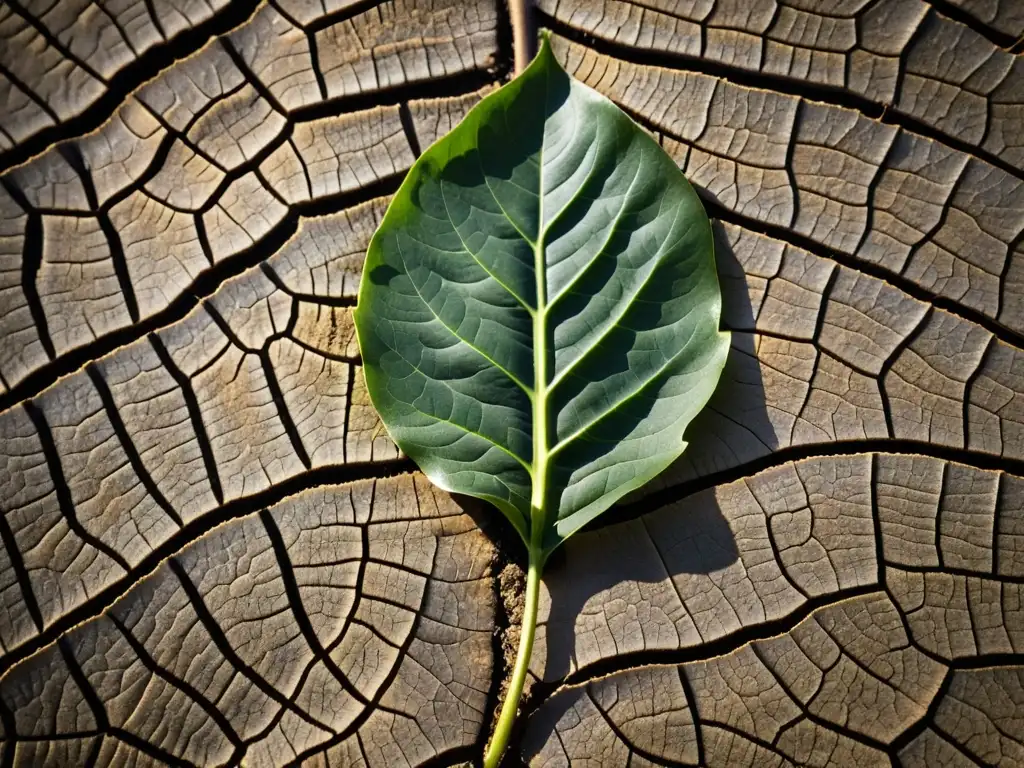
{"x": 545, "y": 53}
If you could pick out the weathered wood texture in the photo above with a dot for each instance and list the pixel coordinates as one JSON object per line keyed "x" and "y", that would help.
{"x": 212, "y": 552}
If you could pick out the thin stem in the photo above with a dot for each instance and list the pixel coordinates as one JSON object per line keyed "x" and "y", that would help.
{"x": 507, "y": 718}
{"x": 524, "y": 36}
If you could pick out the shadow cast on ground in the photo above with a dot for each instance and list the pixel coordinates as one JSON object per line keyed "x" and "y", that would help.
{"x": 650, "y": 539}
{"x": 654, "y": 541}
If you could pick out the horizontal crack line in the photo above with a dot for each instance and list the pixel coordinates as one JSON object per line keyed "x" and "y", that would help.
{"x": 893, "y": 446}
{"x": 443, "y": 86}
{"x": 1006, "y": 335}
{"x": 728, "y": 644}
{"x": 232, "y": 510}
{"x": 146, "y": 67}
{"x": 803, "y": 89}
{"x": 203, "y": 287}
{"x": 208, "y": 282}
{"x": 990, "y": 33}
{"x": 784, "y": 235}
{"x": 722, "y": 646}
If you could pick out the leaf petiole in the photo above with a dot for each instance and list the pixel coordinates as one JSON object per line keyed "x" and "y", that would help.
{"x": 507, "y": 718}
{"x": 614, "y": 318}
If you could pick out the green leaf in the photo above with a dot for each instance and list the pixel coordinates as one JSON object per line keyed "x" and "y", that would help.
{"x": 538, "y": 314}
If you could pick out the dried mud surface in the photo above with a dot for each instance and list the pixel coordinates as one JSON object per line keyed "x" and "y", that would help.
{"x": 201, "y": 515}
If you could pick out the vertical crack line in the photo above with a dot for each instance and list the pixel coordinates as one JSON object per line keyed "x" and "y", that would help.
{"x": 32, "y": 96}
{"x": 348, "y": 413}
{"x": 220, "y": 640}
{"x": 766, "y": 38}
{"x": 157, "y": 24}
{"x": 774, "y": 544}
{"x": 891, "y": 360}
{"x": 876, "y": 179}
{"x": 972, "y": 607}
{"x": 305, "y": 169}
{"x": 364, "y": 555}
{"x": 876, "y": 519}
{"x": 969, "y": 385}
{"x": 276, "y": 394}
{"x": 818, "y": 354}
{"x": 73, "y": 156}
{"x": 354, "y": 725}
{"x": 31, "y": 262}
{"x": 1011, "y": 251}
{"x": 989, "y": 116}
{"x": 826, "y": 293}
{"x": 195, "y": 415}
{"x": 63, "y": 491}
{"x": 790, "y": 150}
{"x": 282, "y": 408}
{"x": 940, "y": 222}
{"x": 997, "y": 518}
{"x": 293, "y": 316}
{"x": 130, "y": 450}
{"x": 409, "y": 126}
{"x": 204, "y": 238}
{"x": 362, "y": 749}
{"x": 314, "y": 59}
{"x": 392, "y": 675}
{"x": 291, "y": 588}
{"x": 943, "y": 480}
{"x": 182, "y": 685}
{"x": 99, "y": 712}
{"x": 20, "y": 572}
{"x": 926, "y": 720}
{"x": 94, "y": 754}
{"x": 691, "y": 702}
{"x": 893, "y": 102}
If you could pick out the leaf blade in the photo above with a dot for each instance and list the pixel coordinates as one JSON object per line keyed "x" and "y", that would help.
{"x": 539, "y": 309}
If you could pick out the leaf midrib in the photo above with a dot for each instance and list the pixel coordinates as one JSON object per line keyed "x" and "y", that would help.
{"x": 538, "y": 501}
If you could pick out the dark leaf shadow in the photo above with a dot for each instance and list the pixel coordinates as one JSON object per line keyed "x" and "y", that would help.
{"x": 672, "y": 529}
{"x": 735, "y": 428}
{"x": 652, "y": 537}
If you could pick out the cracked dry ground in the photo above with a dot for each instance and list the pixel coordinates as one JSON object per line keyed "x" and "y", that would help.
{"x": 212, "y": 552}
